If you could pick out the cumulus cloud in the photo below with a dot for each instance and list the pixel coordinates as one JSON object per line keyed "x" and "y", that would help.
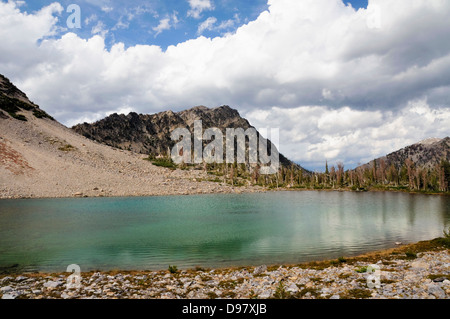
{"x": 312, "y": 135}
{"x": 326, "y": 73}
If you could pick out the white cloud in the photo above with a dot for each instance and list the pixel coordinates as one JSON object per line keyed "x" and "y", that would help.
{"x": 99, "y": 29}
{"x": 166, "y": 24}
{"x": 340, "y": 85}
{"x": 198, "y": 6}
{"x": 224, "y": 26}
{"x": 314, "y": 134}
{"x": 206, "y": 25}
{"x": 107, "y": 9}
{"x": 90, "y": 19}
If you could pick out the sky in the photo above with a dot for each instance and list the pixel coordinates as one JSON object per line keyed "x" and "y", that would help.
{"x": 343, "y": 81}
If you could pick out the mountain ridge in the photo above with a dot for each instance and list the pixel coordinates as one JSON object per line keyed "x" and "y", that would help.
{"x": 424, "y": 154}
{"x": 150, "y": 133}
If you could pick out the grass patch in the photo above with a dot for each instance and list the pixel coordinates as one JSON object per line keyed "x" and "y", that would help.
{"x": 339, "y": 261}
{"x": 344, "y": 276}
{"x": 67, "y": 148}
{"x": 313, "y": 292}
{"x": 212, "y": 295}
{"x": 42, "y": 114}
{"x": 162, "y": 162}
{"x": 445, "y": 241}
{"x": 361, "y": 270}
{"x": 357, "y": 294}
{"x": 229, "y": 294}
{"x": 230, "y": 284}
{"x": 410, "y": 255}
{"x": 252, "y": 295}
{"x": 316, "y": 280}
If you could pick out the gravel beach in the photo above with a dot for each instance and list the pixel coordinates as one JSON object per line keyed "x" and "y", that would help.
{"x": 401, "y": 274}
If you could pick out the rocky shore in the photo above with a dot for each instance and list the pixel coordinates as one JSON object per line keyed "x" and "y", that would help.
{"x": 403, "y": 274}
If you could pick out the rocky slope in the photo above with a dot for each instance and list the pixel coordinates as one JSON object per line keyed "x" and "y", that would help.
{"x": 425, "y": 154}
{"x": 40, "y": 157}
{"x": 150, "y": 134}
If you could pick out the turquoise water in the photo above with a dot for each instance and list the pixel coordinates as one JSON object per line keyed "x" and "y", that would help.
{"x": 211, "y": 230}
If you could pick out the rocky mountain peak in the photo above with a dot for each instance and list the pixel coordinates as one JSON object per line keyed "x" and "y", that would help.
{"x": 150, "y": 134}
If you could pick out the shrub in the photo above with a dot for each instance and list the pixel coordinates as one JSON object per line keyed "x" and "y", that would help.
{"x": 173, "y": 269}
{"x": 19, "y": 117}
{"x": 445, "y": 241}
{"x": 280, "y": 292}
{"x": 362, "y": 270}
{"x": 411, "y": 255}
{"x": 447, "y": 233}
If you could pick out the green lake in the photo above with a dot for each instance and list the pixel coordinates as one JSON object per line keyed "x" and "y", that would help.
{"x": 221, "y": 230}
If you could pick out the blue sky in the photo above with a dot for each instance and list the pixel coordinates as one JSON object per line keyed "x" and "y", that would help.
{"x": 137, "y": 22}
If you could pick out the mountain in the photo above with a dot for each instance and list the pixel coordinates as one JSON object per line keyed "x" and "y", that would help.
{"x": 13, "y": 103}
{"x": 150, "y": 134}
{"x": 40, "y": 157}
{"x": 425, "y": 154}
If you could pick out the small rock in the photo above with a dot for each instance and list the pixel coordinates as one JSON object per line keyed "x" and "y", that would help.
{"x": 309, "y": 285}
{"x": 9, "y": 296}
{"x": 260, "y": 269}
{"x": 436, "y": 291}
{"x": 420, "y": 265}
{"x": 6, "y": 289}
{"x": 65, "y": 295}
{"x": 265, "y": 294}
{"x": 292, "y": 288}
{"x": 5, "y": 279}
{"x": 335, "y": 297}
{"x": 21, "y": 278}
{"x": 52, "y": 284}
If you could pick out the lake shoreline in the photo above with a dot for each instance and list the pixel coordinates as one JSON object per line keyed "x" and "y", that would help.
{"x": 418, "y": 271}
{"x": 222, "y": 190}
